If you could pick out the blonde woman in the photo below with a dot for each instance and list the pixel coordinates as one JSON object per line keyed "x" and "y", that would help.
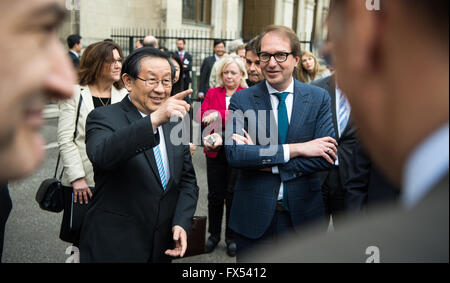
{"x": 310, "y": 69}
{"x": 221, "y": 178}
{"x": 100, "y": 85}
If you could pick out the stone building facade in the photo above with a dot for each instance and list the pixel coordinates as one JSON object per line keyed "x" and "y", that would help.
{"x": 94, "y": 20}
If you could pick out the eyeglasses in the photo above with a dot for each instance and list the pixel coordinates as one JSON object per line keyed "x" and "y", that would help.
{"x": 117, "y": 61}
{"x": 280, "y": 57}
{"x": 166, "y": 83}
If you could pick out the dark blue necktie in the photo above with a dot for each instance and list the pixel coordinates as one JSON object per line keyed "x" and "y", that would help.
{"x": 283, "y": 126}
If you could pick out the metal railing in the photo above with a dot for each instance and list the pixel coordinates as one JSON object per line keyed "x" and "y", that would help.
{"x": 199, "y": 43}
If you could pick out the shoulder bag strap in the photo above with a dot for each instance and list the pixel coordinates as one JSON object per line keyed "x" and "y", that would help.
{"x": 74, "y": 137}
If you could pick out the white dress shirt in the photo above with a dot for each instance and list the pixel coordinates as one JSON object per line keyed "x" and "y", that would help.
{"x": 340, "y": 131}
{"x": 75, "y": 53}
{"x": 162, "y": 148}
{"x": 338, "y": 98}
{"x": 289, "y": 104}
{"x": 426, "y": 166}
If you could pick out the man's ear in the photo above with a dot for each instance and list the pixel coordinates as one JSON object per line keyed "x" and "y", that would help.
{"x": 297, "y": 60}
{"x": 127, "y": 81}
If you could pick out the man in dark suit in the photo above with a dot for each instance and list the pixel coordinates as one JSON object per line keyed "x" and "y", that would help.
{"x": 146, "y": 190}
{"x": 75, "y": 47}
{"x": 366, "y": 186}
{"x": 333, "y": 189}
{"x": 355, "y": 182}
{"x": 252, "y": 63}
{"x": 208, "y": 63}
{"x": 186, "y": 60}
{"x": 403, "y": 122}
{"x": 278, "y": 189}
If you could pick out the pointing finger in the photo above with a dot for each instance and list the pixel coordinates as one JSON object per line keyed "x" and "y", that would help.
{"x": 182, "y": 94}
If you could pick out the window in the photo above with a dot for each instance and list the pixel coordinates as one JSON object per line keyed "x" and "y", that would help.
{"x": 197, "y": 11}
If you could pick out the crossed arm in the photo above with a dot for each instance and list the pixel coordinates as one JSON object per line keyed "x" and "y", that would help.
{"x": 304, "y": 158}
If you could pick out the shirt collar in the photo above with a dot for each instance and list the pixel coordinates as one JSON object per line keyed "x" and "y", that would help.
{"x": 73, "y": 52}
{"x": 420, "y": 175}
{"x": 289, "y": 89}
{"x": 142, "y": 114}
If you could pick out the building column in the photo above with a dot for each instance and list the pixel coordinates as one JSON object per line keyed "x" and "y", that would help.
{"x": 284, "y": 12}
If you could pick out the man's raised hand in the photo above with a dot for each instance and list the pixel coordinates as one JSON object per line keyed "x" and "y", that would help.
{"x": 173, "y": 106}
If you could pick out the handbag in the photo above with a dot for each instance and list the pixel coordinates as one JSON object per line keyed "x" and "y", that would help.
{"x": 50, "y": 195}
{"x": 196, "y": 237}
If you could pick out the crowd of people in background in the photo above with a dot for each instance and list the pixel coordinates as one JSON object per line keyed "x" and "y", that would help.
{"x": 343, "y": 142}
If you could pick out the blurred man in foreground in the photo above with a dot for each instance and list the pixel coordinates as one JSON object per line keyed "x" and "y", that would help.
{"x": 34, "y": 67}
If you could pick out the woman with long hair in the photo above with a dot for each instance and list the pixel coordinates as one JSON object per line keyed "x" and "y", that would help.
{"x": 99, "y": 85}
{"x": 310, "y": 69}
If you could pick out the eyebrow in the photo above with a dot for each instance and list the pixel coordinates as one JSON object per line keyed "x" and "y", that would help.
{"x": 150, "y": 72}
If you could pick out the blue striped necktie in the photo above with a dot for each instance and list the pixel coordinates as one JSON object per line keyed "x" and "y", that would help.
{"x": 160, "y": 163}
{"x": 283, "y": 127}
{"x": 343, "y": 113}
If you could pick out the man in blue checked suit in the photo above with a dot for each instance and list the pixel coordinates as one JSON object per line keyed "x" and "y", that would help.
{"x": 278, "y": 190}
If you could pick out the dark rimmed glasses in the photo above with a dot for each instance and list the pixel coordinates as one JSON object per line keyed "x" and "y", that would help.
{"x": 280, "y": 57}
{"x": 166, "y": 83}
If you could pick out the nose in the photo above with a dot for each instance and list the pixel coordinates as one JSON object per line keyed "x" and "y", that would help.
{"x": 159, "y": 88}
{"x": 61, "y": 77}
{"x": 272, "y": 62}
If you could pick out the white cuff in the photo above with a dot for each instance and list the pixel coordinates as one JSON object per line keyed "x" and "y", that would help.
{"x": 287, "y": 153}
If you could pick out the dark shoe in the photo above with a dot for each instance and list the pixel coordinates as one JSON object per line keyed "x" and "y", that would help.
{"x": 231, "y": 248}
{"x": 211, "y": 244}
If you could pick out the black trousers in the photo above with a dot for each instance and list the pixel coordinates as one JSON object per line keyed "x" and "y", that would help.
{"x": 5, "y": 209}
{"x": 333, "y": 194}
{"x": 221, "y": 180}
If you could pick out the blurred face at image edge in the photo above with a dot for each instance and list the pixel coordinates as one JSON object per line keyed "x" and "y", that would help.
{"x": 35, "y": 67}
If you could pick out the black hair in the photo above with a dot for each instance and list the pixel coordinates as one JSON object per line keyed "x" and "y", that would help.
{"x": 178, "y": 86}
{"x": 251, "y": 46}
{"x": 182, "y": 39}
{"x": 132, "y": 65}
{"x": 72, "y": 40}
{"x": 219, "y": 41}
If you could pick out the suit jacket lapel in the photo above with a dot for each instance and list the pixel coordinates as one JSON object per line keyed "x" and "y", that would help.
{"x": 134, "y": 115}
{"x": 299, "y": 112}
{"x": 167, "y": 128}
{"x": 331, "y": 88}
{"x": 262, "y": 101}
{"x": 117, "y": 95}
{"x": 87, "y": 98}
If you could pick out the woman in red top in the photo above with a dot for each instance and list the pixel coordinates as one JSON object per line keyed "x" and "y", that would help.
{"x": 221, "y": 178}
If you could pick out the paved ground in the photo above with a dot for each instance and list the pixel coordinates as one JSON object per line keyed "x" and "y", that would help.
{"x": 32, "y": 234}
